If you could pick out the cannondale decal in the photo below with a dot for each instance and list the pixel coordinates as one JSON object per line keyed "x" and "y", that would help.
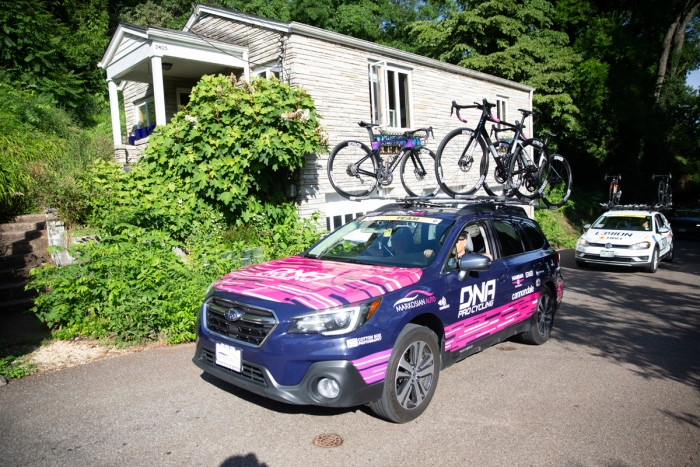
{"x": 477, "y": 297}
{"x": 522, "y": 293}
{"x": 414, "y": 299}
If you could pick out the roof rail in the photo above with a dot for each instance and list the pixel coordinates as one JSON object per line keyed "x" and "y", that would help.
{"x": 446, "y": 201}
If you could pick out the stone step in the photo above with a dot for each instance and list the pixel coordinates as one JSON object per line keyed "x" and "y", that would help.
{"x": 20, "y": 235}
{"x": 11, "y": 276}
{"x": 22, "y": 226}
{"x": 13, "y": 308}
{"x": 38, "y": 245}
{"x": 23, "y": 261}
{"x": 21, "y": 327}
{"x": 11, "y": 292}
{"x": 30, "y": 218}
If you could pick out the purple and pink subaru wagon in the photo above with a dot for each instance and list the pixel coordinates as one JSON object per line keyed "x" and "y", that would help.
{"x": 374, "y": 311}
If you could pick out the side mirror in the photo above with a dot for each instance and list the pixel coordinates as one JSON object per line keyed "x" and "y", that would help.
{"x": 472, "y": 262}
{"x": 664, "y": 230}
{"x": 585, "y": 228}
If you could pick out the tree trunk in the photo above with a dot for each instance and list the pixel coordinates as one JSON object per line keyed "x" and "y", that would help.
{"x": 665, "y": 52}
{"x": 679, "y": 38}
{"x": 674, "y": 37}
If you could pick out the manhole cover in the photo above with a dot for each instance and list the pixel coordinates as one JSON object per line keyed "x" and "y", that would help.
{"x": 505, "y": 347}
{"x": 328, "y": 440}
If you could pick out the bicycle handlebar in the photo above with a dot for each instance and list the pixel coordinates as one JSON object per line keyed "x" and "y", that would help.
{"x": 613, "y": 177}
{"x": 654, "y": 176}
{"x": 485, "y": 107}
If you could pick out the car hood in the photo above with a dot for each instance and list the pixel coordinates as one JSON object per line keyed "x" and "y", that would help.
{"x": 617, "y": 237}
{"x": 316, "y": 284}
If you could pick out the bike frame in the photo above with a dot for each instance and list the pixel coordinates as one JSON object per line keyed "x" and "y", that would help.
{"x": 480, "y": 130}
{"x": 406, "y": 142}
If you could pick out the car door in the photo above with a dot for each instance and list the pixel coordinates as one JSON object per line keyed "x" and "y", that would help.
{"x": 474, "y": 305}
{"x": 663, "y": 239}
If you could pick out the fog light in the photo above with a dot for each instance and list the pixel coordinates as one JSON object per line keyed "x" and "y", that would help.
{"x": 328, "y": 388}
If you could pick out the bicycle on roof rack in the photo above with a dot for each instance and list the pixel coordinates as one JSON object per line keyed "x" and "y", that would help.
{"x": 664, "y": 194}
{"x": 523, "y": 166}
{"x": 614, "y": 192}
{"x": 355, "y": 170}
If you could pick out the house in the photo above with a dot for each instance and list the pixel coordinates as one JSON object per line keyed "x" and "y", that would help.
{"x": 350, "y": 80}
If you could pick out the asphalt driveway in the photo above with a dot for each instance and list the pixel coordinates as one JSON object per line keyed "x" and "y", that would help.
{"x": 617, "y": 385}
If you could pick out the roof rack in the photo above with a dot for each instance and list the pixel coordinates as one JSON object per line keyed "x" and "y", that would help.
{"x": 635, "y": 207}
{"x": 446, "y": 201}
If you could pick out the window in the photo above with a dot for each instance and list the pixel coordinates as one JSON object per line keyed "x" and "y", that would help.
{"x": 502, "y": 108}
{"x": 508, "y": 236}
{"x": 534, "y": 236}
{"x": 145, "y": 113}
{"x": 390, "y": 95}
{"x": 267, "y": 71}
{"x": 183, "y": 97}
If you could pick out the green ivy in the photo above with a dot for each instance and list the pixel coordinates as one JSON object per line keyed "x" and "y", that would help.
{"x": 13, "y": 367}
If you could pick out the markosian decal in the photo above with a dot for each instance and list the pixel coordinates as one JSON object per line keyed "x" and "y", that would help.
{"x": 522, "y": 293}
{"x": 357, "y": 341}
{"x": 477, "y": 297}
{"x": 414, "y": 299}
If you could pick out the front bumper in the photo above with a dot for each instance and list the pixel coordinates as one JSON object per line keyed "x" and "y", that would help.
{"x": 631, "y": 258}
{"x": 257, "y": 379}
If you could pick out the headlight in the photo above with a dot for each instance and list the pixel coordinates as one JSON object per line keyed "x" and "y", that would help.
{"x": 640, "y": 246}
{"x": 210, "y": 289}
{"x": 334, "y": 321}
{"x": 582, "y": 241}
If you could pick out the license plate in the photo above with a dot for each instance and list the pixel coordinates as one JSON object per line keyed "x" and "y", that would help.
{"x": 228, "y": 357}
{"x": 607, "y": 253}
{"x": 681, "y": 230}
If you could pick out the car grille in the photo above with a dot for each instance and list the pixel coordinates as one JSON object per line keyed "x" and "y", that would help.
{"x": 248, "y": 372}
{"x": 615, "y": 259}
{"x": 602, "y": 245}
{"x": 251, "y": 328}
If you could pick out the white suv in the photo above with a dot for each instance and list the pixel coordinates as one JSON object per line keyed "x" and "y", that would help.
{"x": 635, "y": 238}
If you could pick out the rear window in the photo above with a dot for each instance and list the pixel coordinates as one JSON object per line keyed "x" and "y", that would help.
{"x": 534, "y": 236}
{"x": 509, "y": 237}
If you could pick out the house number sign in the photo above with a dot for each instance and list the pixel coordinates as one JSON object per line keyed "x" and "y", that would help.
{"x": 162, "y": 47}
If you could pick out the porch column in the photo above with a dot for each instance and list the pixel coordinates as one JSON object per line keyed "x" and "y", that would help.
{"x": 158, "y": 92}
{"x": 114, "y": 112}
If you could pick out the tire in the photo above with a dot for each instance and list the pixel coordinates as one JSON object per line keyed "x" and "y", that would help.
{"x": 406, "y": 395}
{"x": 662, "y": 193}
{"x": 581, "y": 264}
{"x": 669, "y": 256}
{"x": 542, "y": 319}
{"x": 557, "y": 181}
{"x": 526, "y": 169}
{"x": 455, "y": 175}
{"x": 654, "y": 264}
{"x": 418, "y": 173}
{"x": 352, "y": 170}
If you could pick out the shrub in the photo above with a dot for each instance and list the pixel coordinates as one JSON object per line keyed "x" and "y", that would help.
{"x": 236, "y": 143}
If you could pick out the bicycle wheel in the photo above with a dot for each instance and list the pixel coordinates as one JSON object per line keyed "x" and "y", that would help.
{"x": 526, "y": 169}
{"x": 613, "y": 198}
{"x": 662, "y": 192}
{"x": 556, "y": 188}
{"x": 418, "y": 172}
{"x": 352, "y": 170}
{"x": 461, "y": 162}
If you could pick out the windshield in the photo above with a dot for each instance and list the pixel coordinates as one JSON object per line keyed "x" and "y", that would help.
{"x": 638, "y": 222}
{"x": 387, "y": 240}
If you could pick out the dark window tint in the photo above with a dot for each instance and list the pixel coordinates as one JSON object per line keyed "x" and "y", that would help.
{"x": 509, "y": 238}
{"x": 532, "y": 235}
